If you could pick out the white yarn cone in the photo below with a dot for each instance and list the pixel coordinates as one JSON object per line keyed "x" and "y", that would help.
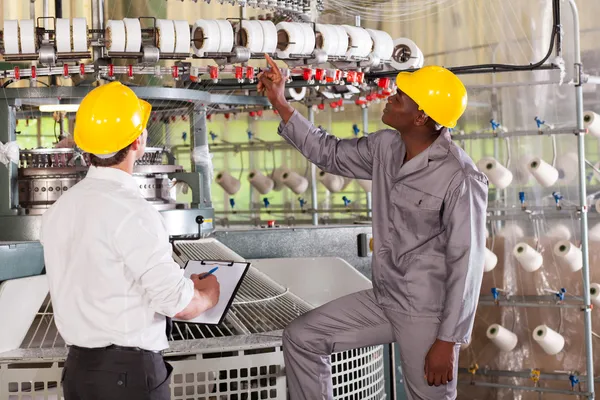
{"x": 499, "y": 175}
{"x": 333, "y": 183}
{"x": 591, "y": 122}
{"x": 560, "y": 232}
{"x": 502, "y": 337}
{"x": 260, "y": 182}
{"x": 569, "y": 254}
{"x": 550, "y": 341}
{"x": 365, "y": 184}
{"x": 229, "y": 184}
{"x": 490, "y": 260}
{"x": 595, "y": 294}
{"x": 277, "y": 177}
{"x": 529, "y": 259}
{"x": 296, "y": 182}
{"x": 544, "y": 173}
{"x": 511, "y": 231}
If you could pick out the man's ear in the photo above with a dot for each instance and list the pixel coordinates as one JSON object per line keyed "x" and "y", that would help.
{"x": 421, "y": 119}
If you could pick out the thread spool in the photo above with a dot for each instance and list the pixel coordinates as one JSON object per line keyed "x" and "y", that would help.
{"x": 544, "y": 173}
{"x": 594, "y": 233}
{"x": 504, "y": 339}
{"x": 270, "y": 36}
{"x": 333, "y": 183}
{"x": 226, "y": 36}
{"x": 359, "y": 41}
{"x": 490, "y": 260}
{"x": 206, "y": 37}
{"x": 591, "y": 122}
{"x": 511, "y": 231}
{"x": 62, "y": 35}
{"x": 251, "y": 36}
{"x": 309, "y": 38}
{"x": 114, "y": 36}
{"x": 277, "y": 177}
{"x": 550, "y": 341}
{"x": 290, "y": 39}
{"x": 567, "y": 166}
{"x": 383, "y": 44}
{"x": 11, "y": 36}
{"x": 528, "y": 257}
{"x": 79, "y": 34}
{"x": 165, "y": 35}
{"x": 595, "y": 294}
{"x": 342, "y": 40}
{"x": 229, "y": 184}
{"x": 296, "y": 182}
{"x": 133, "y": 35}
{"x": 182, "y": 36}
{"x": 260, "y": 182}
{"x": 297, "y": 93}
{"x": 27, "y": 36}
{"x": 326, "y": 39}
{"x": 365, "y": 184}
{"x": 560, "y": 232}
{"x": 597, "y": 206}
{"x": 569, "y": 254}
{"x": 405, "y": 55}
{"x": 497, "y": 173}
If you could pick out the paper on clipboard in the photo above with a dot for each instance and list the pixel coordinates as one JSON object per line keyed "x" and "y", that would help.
{"x": 229, "y": 275}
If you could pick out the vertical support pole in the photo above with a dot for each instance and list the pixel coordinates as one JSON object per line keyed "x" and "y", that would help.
{"x": 199, "y": 138}
{"x": 9, "y": 195}
{"x": 365, "y": 130}
{"x": 313, "y": 177}
{"x": 587, "y": 315}
{"x": 97, "y": 23}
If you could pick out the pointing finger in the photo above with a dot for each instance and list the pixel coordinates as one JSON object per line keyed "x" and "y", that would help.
{"x": 274, "y": 68}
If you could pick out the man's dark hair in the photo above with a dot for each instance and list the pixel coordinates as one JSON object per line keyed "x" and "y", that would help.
{"x": 112, "y": 161}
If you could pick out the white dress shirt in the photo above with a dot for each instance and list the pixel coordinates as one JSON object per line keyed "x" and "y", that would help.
{"x": 109, "y": 264}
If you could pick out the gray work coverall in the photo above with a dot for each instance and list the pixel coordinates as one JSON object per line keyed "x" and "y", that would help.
{"x": 429, "y": 240}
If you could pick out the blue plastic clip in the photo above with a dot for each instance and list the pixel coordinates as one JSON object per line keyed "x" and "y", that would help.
{"x": 184, "y": 136}
{"x": 250, "y": 134}
{"x": 266, "y": 201}
{"x": 557, "y": 198}
{"x": 346, "y": 201}
{"x": 355, "y": 130}
{"x": 522, "y": 198}
{"x": 213, "y": 135}
{"x": 539, "y": 122}
{"x": 495, "y": 125}
{"x": 302, "y": 202}
{"x": 574, "y": 381}
{"x": 495, "y": 293}
{"x": 232, "y": 203}
{"x": 561, "y": 294}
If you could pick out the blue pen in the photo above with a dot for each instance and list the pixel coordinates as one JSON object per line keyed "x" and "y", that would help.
{"x": 209, "y": 272}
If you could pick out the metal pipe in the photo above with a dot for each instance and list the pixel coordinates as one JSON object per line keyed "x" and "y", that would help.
{"x": 46, "y": 11}
{"x": 547, "y": 376}
{"x": 58, "y": 8}
{"x": 313, "y": 176}
{"x": 592, "y": 80}
{"x": 525, "y": 388}
{"x": 578, "y": 70}
{"x": 491, "y": 135}
{"x": 365, "y": 121}
{"x": 97, "y": 24}
{"x": 32, "y": 10}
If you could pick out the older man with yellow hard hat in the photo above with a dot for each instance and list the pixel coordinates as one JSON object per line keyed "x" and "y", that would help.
{"x": 429, "y": 211}
{"x": 113, "y": 282}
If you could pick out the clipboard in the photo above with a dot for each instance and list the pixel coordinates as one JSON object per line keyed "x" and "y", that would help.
{"x": 230, "y": 276}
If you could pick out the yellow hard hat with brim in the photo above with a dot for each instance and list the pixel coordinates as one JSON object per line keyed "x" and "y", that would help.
{"x": 110, "y": 118}
{"x": 437, "y": 91}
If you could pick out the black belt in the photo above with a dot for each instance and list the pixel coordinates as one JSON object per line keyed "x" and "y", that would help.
{"x": 112, "y": 347}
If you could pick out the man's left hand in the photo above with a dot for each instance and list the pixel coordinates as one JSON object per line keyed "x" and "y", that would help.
{"x": 439, "y": 363}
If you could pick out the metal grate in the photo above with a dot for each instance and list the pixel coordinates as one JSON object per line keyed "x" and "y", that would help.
{"x": 260, "y": 306}
{"x": 205, "y": 249}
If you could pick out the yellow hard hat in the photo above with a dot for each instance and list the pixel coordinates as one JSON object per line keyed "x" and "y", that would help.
{"x": 437, "y": 91}
{"x": 110, "y": 118}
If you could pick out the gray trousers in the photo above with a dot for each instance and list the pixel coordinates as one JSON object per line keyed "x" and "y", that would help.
{"x": 352, "y": 322}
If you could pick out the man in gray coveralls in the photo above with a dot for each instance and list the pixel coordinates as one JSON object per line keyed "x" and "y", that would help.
{"x": 429, "y": 211}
